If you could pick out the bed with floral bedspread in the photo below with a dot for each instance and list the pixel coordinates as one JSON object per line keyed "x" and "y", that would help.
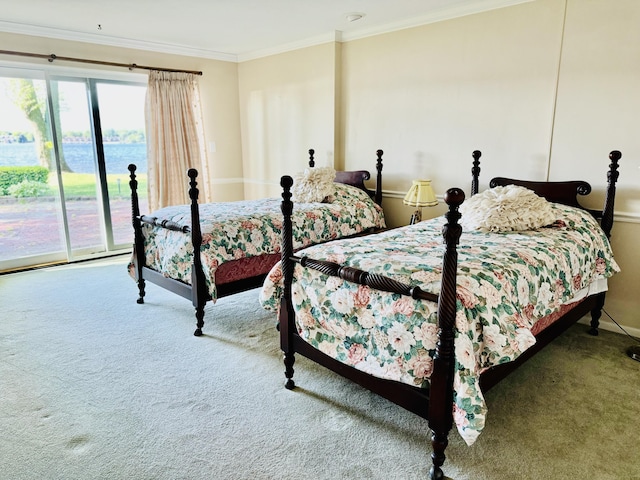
{"x": 505, "y": 282}
{"x": 252, "y": 228}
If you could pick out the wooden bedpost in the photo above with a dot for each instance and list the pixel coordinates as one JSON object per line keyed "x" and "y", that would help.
{"x": 312, "y": 162}
{"x": 475, "y": 171}
{"x": 138, "y": 240}
{"x": 609, "y": 202}
{"x": 198, "y": 284}
{"x": 378, "y": 195}
{"x": 441, "y": 387}
{"x": 287, "y": 316}
{"x": 606, "y": 223}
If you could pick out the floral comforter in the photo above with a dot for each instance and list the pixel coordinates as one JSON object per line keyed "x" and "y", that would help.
{"x": 506, "y": 281}
{"x": 235, "y": 230}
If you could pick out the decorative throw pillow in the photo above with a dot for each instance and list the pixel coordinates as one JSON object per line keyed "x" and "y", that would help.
{"x": 313, "y": 184}
{"x": 506, "y": 209}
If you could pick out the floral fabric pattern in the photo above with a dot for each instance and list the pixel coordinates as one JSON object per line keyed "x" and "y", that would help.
{"x": 505, "y": 282}
{"x": 235, "y": 230}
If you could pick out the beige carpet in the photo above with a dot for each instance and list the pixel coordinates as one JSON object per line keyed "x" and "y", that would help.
{"x": 95, "y": 386}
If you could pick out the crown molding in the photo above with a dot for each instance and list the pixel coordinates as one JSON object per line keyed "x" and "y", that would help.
{"x": 48, "y": 32}
{"x": 335, "y": 36}
{"x": 447, "y": 13}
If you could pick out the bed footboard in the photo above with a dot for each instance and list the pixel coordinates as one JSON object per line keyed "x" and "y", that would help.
{"x": 439, "y": 410}
{"x": 199, "y": 294}
{"x": 138, "y": 239}
{"x": 441, "y": 398}
{"x": 197, "y": 291}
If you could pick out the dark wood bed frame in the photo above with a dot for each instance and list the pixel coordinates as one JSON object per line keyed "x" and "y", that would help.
{"x": 197, "y": 292}
{"x": 435, "y": 404}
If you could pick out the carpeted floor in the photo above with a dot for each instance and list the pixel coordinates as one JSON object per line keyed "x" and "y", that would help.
{"x": 95, "y": 386}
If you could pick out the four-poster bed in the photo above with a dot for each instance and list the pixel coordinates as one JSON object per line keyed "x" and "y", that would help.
{"x": 431, "y": 326}
{"x": 239, "y": 242}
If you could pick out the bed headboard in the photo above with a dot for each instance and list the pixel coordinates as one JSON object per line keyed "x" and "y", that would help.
{"x": 558, "y": 192}
{"x": 357, "y": 178}
{"x": 567, "y": 193}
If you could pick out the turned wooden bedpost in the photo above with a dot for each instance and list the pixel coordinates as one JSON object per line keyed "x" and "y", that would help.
{"x": 286, "y": 318}
{"x": 606, "y": 223}
{"x": 609, "y": 202}
{"x": 475, "y": 171}
{"x": 198, "y": 283}
{"x": 378, "y": 195}
{"x": 312, "y": 162}
{"x": 441, "y": 387}
{"x": 138, "y": 239}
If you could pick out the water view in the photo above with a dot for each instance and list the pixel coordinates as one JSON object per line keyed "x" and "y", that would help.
{"x": 79, "y": 156}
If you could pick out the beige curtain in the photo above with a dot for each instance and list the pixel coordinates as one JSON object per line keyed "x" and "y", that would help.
{"x": 175, "y": 139}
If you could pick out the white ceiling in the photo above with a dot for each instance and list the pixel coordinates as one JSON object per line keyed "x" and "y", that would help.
{"x": 232, "y": 30}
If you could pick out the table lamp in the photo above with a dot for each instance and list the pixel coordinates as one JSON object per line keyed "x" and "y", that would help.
{"x": 420, "y": 195}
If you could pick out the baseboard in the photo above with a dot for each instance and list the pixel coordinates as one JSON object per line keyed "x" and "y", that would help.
{"x": 610, "y": 326}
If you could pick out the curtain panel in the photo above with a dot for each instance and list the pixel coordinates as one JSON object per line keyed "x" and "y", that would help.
{"x": 175, "y": 139}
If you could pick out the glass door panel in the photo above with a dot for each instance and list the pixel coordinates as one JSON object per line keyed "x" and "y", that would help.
{"x": 123, "y": 136}
{"x": 31, "y": 221}
{"x": 77, "y": 165}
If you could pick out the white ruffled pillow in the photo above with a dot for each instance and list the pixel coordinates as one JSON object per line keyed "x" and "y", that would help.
{"x": 506, "y": 209}
{"x": 313, "y": 184}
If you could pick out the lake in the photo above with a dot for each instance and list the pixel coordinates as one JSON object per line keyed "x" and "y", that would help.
{"x": 79, "y": 156}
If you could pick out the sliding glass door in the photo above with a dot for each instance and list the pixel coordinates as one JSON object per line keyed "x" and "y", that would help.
{"x": 65, "y": 143}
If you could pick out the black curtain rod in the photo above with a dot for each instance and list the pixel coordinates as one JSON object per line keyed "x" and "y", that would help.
{"x": 130, "y": 66}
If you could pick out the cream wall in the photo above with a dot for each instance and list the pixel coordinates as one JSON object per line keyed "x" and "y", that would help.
{"x": 545, "y": 89}
{"x": 429, "y": 96}
{"x": 287, "y": 106}
{"x": 598, "y": 110}
{"x": 218, "y": 90}
{"x": 598, "y": 106}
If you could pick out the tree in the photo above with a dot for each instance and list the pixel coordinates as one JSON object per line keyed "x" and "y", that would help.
{"x": 25, "y": 96}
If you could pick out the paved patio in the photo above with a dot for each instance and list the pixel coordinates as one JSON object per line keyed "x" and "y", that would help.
{"x": 34, "y": 227}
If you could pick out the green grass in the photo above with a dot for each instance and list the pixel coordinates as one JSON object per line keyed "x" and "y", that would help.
{"x": 84, "y": 185}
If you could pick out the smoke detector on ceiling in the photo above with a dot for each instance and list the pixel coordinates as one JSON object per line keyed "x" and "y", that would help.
{"x": 354, "y": 17}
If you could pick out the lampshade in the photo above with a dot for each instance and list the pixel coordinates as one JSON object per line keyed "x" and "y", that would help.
{"x": 420, "y": 195}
